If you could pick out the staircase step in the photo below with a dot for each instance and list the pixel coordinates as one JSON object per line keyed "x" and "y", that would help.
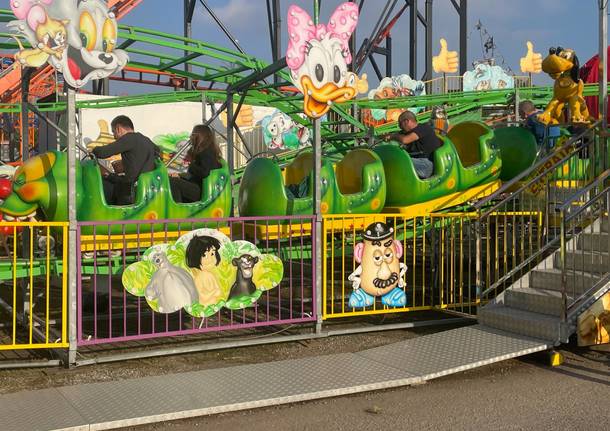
{"x": 550, "y": 279}
{"x": 535, "y": 300}
{"x": 541, "y": 326}
{"x": 587, "y": 261}
{"x": 599, "y": 241}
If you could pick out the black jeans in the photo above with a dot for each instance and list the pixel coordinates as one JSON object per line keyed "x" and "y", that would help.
{"x": 118, "y": 191}
{"x": 184, "y": 191}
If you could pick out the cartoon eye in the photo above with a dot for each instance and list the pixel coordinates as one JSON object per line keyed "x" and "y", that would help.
{"x": 318, "y": 67}
{"x": 272, "y": 128}
{"x": 388, "y": 255}
{"x": 339, "y": 68}
{"x": 108, "y": 36}
{"x": 88, "y": 31}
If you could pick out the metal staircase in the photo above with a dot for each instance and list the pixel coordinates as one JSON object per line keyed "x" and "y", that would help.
{"x": 570, "y": 270}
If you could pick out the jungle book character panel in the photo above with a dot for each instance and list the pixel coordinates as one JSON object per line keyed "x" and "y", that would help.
{"x": 380, "y": 273}
{"x": 202, "y": 272}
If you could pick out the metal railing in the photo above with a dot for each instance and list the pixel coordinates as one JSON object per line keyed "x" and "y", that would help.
{"x": 585, "y": 244}
{"x": 421, "y": 246}
{"x": 516, "y": 244}
{"x": 111, "y": 310}
{"x": 33, "y": 285}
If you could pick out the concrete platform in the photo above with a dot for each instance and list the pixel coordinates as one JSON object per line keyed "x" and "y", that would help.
{"x": 123, "y": 403}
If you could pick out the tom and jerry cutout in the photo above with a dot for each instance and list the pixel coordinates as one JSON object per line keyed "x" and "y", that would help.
{"x": 77, "y": 37}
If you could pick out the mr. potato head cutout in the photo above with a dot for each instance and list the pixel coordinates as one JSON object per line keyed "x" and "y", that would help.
{"x": 380, "y": 273}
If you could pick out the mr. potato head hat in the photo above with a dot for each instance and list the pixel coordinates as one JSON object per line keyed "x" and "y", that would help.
{"x": 377, "y": 231}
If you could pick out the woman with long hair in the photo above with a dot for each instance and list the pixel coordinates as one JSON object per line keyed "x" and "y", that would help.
{"x": 204, "y": 155}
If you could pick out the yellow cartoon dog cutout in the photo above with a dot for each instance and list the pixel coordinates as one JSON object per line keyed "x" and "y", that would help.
{"x": 562, "y": 65}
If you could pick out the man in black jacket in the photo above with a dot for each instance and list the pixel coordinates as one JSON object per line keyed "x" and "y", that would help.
{"x": 138, "y": 154}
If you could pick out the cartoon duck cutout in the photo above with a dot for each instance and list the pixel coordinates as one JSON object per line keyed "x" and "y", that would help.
{"x": 318, "y": 56}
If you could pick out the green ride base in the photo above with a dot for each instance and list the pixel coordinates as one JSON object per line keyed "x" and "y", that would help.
{"x": 518, "y": 150}
{"x": 355, "y": 185}
{"x": 41, "y": 185}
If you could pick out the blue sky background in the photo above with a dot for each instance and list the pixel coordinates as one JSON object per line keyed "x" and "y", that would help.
{"x": 569, "y": 23}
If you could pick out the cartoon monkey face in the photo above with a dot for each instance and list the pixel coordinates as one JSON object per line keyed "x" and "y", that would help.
{"x": 245, "y": 263}
{"x": 380, "y": 266}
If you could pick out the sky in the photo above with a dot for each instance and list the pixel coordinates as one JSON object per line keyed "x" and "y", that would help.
{"x": 568, "y": 23}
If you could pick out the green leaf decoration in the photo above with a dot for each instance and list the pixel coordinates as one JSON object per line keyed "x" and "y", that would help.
{"x": 225, "y": 274}
{"x": 176, "y": 254}
{"x": 243, "y": 301}
{"x": 268, "y": 272}
{"x": 169, "y": 141}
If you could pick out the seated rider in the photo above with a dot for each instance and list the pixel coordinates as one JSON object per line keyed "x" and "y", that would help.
{"x": 529, "y": 114}
{"x": 438, "y": 119}
{"x": 138, "y": 154}
{"x": 419, "y": 140}
{"x": 204, "y": 155}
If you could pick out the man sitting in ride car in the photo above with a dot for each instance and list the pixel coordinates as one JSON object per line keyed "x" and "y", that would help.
{"x": 419, "y": 140}
{"x": 138, "y": 154}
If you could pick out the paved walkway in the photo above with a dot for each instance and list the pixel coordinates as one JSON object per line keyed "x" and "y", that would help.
{"x": 154, "y": 399}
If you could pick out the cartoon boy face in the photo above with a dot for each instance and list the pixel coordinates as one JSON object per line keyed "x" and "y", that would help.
{"x": 208, "y": 259}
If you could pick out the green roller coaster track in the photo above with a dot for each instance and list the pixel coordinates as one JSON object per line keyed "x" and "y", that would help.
{"x": 157, "y": 51}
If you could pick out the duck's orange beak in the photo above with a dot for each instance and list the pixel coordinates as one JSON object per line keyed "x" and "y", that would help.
{"x": 317, "y": 101}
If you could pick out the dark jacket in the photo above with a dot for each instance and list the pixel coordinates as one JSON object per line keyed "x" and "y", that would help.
{"x": 200, "y": 167}
{"x": 138, "y": 154}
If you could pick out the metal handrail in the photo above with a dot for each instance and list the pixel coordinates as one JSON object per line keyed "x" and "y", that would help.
{"x": 584, "y": 191}
{"x": 601, "y": 282}
{"x": 508, "y": 185}
{"x": 537, "y": 178}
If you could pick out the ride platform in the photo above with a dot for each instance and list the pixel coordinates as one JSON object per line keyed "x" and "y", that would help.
{"x": 177, "y": 396}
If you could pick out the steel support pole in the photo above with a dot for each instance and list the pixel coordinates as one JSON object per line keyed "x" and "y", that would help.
{"x": 204, "y": 108}
{"x": 428, "y": 35}
{"x": 413, "y": 38}
{"x": 317, "y": 199}
{"x": 277, "y": 35}
{"x": 72, "y": 229}
{"x": 189, "y": 5}
{"x": 603, "y": 61}
{"x": 230, "y": 143}
{"x": 388, "y": 55}
{"x": 26, "y": 74}
{"x": 463, "y": 14}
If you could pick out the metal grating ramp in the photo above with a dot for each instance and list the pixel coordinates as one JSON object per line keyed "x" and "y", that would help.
{"x": 176, "y": 396}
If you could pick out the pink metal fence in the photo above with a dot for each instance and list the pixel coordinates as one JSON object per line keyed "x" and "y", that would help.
{"x": 108, "y": 313}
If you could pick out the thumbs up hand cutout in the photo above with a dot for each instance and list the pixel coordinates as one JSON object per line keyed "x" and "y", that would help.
{"x": 446, "y": 61}
{"x": 532, "y": 62}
